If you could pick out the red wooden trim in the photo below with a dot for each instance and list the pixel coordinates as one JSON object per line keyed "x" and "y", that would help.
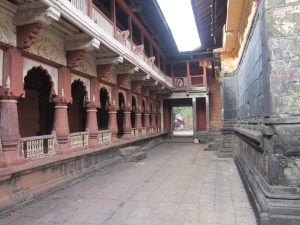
{"x": 204, "y": 73}
{"x": 81, "y": 73}
{"x": 139, "y": 24}
{"x": 188, "y": 74}
{"x": 114, "y": 18}
{"x": 4, "y": 46}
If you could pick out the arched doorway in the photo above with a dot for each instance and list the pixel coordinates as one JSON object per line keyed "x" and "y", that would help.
{"x": 143, "y": 112}
{"x": 120, "y": 114}
{"x": 132, "y": 115}
{"x": 36, "y": 111}
{"x": 102, "y": 113}
{"x": 77, "y": 110}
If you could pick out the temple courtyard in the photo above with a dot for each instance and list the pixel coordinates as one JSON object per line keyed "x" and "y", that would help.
{"x": 178, "y": 183}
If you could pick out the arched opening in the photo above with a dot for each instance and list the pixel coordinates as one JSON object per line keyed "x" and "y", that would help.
{"x": 102, "y": 113}
{"x": 132, "y": 115}
{"x": 120, "y": 115}
{"x": 77, "y": 110}
{"x": 36, "y": 111}
{"x": 143, "y": 112}
{"x": 150, "y": 117}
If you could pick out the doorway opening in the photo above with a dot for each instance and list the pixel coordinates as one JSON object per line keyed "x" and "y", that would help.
{"x": 120, "y": 115}
{"x": 102, "y": 112}
{"x": 183, "y": 121}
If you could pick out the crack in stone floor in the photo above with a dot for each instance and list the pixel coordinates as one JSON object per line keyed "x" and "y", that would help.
{"x": 176, "y": 184}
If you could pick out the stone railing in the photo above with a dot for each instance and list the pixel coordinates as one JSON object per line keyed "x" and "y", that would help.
{"x": 38, "y": 146}
{"x": 104, "y": 137}
{"x": 79, "y": 140}
{"x": 135, "y": 132}
{"x": 144, "y": 131}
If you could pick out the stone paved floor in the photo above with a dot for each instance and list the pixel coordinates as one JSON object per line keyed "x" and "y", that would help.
{"x": 176, "y": 184}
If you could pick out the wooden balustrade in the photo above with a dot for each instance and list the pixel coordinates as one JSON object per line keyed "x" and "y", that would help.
{"x": 81, "y": 5}
{"x": 99, "y": 18}
{"x": 79, "y": 140}
{"x": 38, "y": 146}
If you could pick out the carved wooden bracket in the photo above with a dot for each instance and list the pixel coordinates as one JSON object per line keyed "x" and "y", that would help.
{"x": 110, "y": 60}
{"x": 123, "y": 36}
{"x": 27, "y": 33}
{"x": 75, "y": 57}
{"x": 124, "y": 81}
{"x": 139, "y": 50}
{"x": 152, "y": 59}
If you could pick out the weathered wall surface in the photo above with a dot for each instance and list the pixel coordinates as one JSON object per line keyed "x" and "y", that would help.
{"x": 268, "y": 108}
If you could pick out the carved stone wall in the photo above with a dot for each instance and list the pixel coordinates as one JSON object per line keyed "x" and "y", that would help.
{"x": 49, "y": 47}
{"x": 7, "y": 30}
{"x": 107, "y": 73}
{"x": 88, "y": 66}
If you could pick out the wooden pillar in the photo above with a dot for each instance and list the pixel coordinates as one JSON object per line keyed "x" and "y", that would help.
{"x": 189, "y": 81}
{"x": 204, "y": 73}
{"x": 89, "y": 8}
{"x": 130, "y": 30}
{"x": 114, "y": 16}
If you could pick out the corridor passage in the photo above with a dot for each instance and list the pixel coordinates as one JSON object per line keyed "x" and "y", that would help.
{"x": 176, "y": 184}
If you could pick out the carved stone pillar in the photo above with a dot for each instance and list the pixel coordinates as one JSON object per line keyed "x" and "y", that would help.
{"x": 112, "y": 122}
{"x": 61, "y": 126}
{"x": 127, "y": 123}
{"x": 92, "y": 125}
{"x": 9, "y": 130}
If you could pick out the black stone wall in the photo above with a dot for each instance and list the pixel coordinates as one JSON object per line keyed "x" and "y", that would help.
{"x": 267, "y": 128}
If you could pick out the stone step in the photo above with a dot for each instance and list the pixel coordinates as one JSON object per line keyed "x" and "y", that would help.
{"x": 137, "y": 157}
{"x": 130, "y": 150}
{"x": 180, "y": 140}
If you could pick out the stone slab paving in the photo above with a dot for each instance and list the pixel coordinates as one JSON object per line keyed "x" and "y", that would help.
{"x": 176, "y": 184}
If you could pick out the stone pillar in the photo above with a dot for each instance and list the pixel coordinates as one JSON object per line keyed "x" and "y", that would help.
{"x": 153, "y": 120}
{"x": 61, "y": 126}
{"x": 147, "y": 120}
{"x": 138, "y": 119}
{"x": 92, "y": 125}
{"x": 158, "y": 121}
{"x": 9, "y": 130}
{"x": 112, "y": 122}
{"x": 127, "y": 123}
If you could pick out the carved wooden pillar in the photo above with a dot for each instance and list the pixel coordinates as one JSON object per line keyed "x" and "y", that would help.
{"x": 127, "y": 123}
{"x": 92, "y": 125}
{"x": 112, "y": 121}
{"x": 9, "y": 130}
{"x": 61, "y": 125}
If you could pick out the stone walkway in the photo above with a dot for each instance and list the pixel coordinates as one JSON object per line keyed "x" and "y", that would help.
{"x": 176, "y": 184}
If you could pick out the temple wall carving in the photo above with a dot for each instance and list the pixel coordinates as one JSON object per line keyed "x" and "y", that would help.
{"x": 49, "y": 47}
{"x": 7, "y": 30}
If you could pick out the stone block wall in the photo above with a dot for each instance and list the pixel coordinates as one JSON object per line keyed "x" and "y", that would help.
{"x": 268, "y": 112}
